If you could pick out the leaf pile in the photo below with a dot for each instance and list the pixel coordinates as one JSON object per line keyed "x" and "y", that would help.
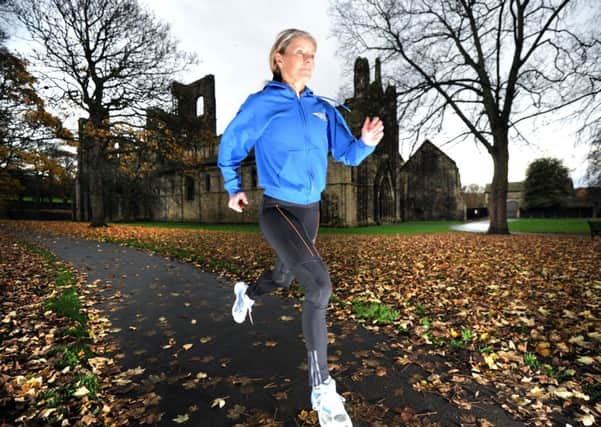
{"x": 520, "y": 312}
{"x": 54, "y": 369}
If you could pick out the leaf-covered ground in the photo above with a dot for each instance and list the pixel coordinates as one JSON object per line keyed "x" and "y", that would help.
{"x": 52, "y": 365}
{"x": 519, "y": 312}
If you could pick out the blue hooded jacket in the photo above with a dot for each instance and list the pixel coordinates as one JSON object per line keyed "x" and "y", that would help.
{"x": 292, "y": 136}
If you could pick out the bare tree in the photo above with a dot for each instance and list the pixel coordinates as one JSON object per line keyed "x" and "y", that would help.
{"x": 109, "y": 58}
{"x": 593, "y": 172}
{"x": 492, "y": 64}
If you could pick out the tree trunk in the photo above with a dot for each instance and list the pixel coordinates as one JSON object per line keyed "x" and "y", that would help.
{"x": 96, "y": 183}
{"x": 498, "y": 189}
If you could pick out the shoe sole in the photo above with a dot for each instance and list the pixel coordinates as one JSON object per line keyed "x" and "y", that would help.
{"x": 239, "y": 295}
{"x": 334, "y": 423}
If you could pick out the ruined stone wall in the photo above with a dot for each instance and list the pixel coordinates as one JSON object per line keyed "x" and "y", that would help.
{"x": 431, "y": 186}
{"x": 339, "y": 200}
{"x": 381, "y": 190}
{"x": 207, "y": 201}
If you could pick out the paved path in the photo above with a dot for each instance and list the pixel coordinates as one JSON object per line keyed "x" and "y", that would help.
{"x": 472, "y": 227}
{"x": 260, "y": 367}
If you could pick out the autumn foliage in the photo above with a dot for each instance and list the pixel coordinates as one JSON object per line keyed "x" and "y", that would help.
{"x": 521, "y": 312}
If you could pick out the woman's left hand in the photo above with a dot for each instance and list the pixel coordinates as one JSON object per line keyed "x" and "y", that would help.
{"x": 372, "y": 131}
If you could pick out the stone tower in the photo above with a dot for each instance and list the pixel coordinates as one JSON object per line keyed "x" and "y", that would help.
{"x": 195, "y": 102}
{"x": 377, "y": 178}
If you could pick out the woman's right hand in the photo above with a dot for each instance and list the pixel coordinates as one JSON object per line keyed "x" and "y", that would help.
{"x": 238, "y": 201}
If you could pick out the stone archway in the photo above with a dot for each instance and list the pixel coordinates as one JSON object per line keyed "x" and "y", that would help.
{"x": 384, "y": 201}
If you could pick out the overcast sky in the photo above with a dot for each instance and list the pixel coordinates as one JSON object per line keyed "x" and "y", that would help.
{"x": 232, "y": 39}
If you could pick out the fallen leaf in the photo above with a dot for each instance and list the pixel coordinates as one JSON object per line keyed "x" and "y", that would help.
{"x": 81, "y": 391}
{"x": 180, "y": 419}
{"x": 586, "y": 360}
{"x": 220, "y": 402}
{"x": 236, "y": 412}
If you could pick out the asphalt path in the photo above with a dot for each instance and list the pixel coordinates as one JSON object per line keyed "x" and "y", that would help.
{"x": 158, "y": 305}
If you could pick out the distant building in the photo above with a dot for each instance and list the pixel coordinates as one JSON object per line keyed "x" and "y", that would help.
{"x": 585, "y": 203}
{"x": 476, "y": 206}
{"x": 515, "y": 198}
{"x": 431, "y": 186}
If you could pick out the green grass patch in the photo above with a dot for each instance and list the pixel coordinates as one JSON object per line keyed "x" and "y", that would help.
{"x": 44, "y": 253}
{"x": 410, "y": 227}
{"x": 52, "y": 397}
{"x": 485, "y": 349}
{"x": 67, "y": 304}
{"x": 531, "y": 361}
{"x": 536, "y": 225}
{"x": 53, "y": 200}
{"x": 413, "y": 227}
{"x": 550, "y": 225}
{"x": 593, "y": 390}
{"x": 71, "y": 354}
{"x": 466, "y": 337}
{"x": 88, "y": 381}
{"x": 63, "y": 277}
{"x": 78, "y": 331}
{"x": 379, "y": 313}
{"x": 196, "y": 226}
{"x": 421, "y": 310}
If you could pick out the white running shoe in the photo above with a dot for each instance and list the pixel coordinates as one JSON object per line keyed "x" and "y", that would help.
{"x": 243, "y": 303}
{"x": 329, "y": 405}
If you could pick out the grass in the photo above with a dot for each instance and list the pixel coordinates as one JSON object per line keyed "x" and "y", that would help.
{"x": 197, "y": 226}
{"x": 550, "y": 225}
{"x": 531, "y": 361}
{"x": 413, "y": 227}
{"x": 88, "y": 381}
{"x": 542, "y": 225}
{"x": 53, "y": 200}
{"x": 379, "y": 313}
{"x": 73, "y": 354}
{"x": 67, "y": 304}
{"x": 466, "y": 337}
{"x": 593, "y": 390}
{"x": 409, "y": 227}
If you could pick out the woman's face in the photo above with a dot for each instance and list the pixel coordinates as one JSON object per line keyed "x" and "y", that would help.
{"x": 297, "y": 62}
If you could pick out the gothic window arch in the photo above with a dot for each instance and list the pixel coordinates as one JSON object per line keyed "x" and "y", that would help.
{"x": 384, "y": 198}
{"x": 200, "y": 106}
{"x": 189, "y": 183}
{"x": 254, "y": 178}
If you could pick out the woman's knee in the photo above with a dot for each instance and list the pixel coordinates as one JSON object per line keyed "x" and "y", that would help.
{"x": 315, "y": 279}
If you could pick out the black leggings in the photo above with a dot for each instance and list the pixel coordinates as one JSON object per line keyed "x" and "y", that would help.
{"x": 291, "y": 229}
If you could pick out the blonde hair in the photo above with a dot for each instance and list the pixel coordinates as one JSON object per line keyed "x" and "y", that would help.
{"x": 282, "y": 41}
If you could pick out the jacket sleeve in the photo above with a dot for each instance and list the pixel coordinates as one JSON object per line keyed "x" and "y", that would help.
{"x": 344, "y": 146}
{"x": 236, "y": 142}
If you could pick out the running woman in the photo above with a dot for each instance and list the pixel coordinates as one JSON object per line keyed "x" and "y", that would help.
{"x": 292, "y": 131}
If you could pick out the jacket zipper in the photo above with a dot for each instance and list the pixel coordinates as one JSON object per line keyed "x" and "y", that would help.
{"x": 302, "y": 110}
